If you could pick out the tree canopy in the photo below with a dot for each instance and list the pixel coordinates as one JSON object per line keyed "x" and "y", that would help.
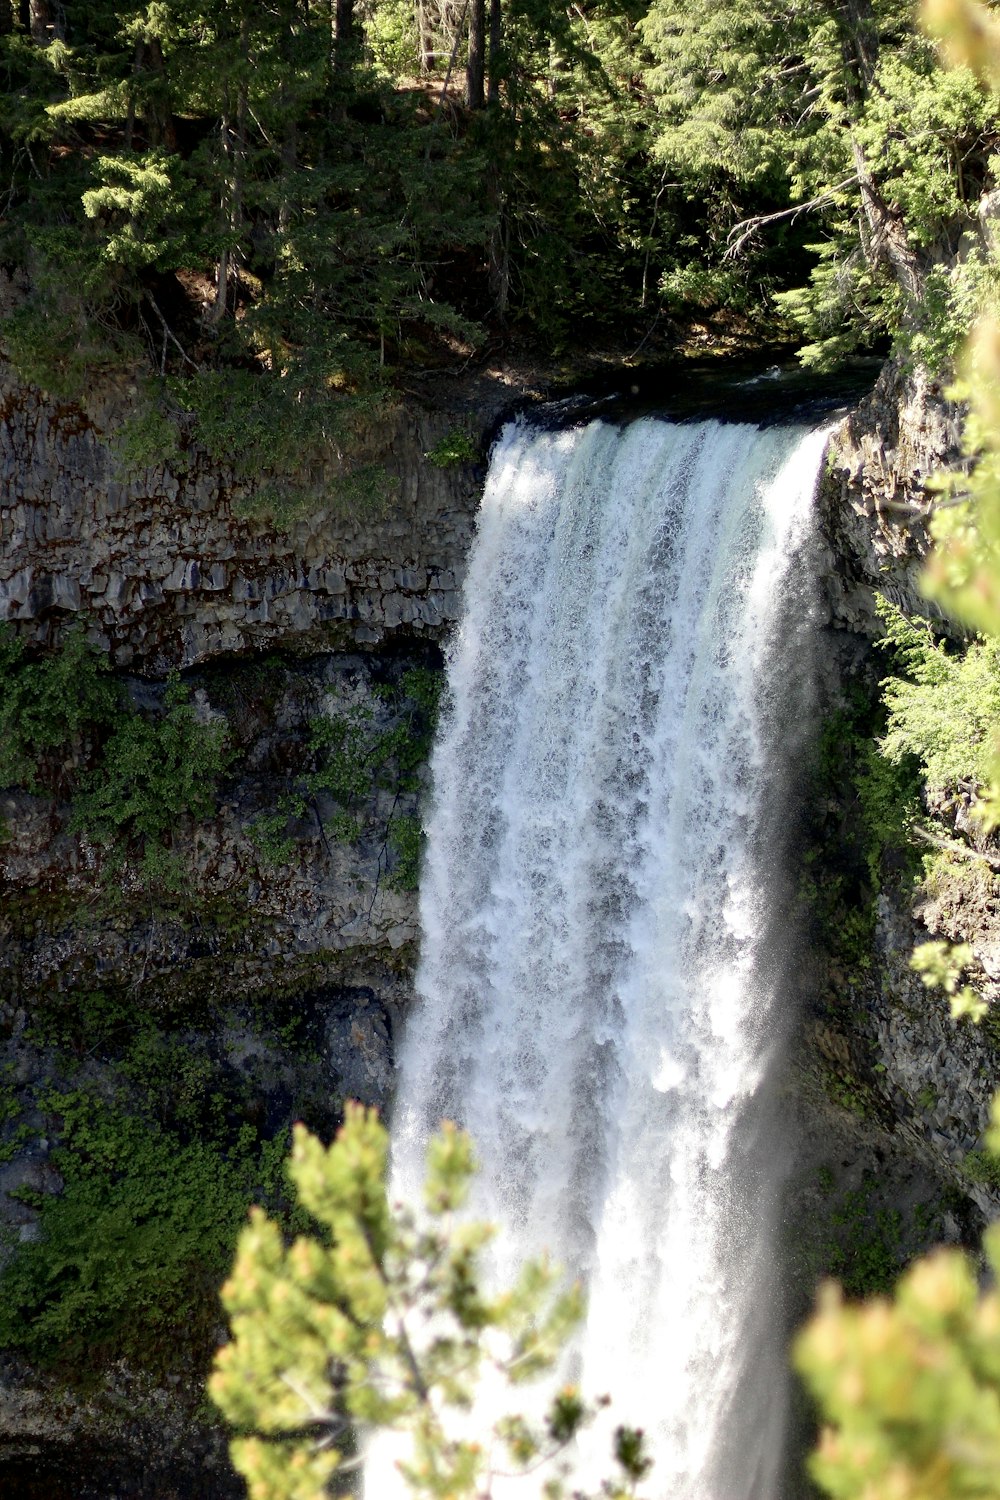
{"x": 319, "y": 195}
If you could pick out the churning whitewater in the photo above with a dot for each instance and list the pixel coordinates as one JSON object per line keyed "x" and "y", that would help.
{"x": 596, "y": 980}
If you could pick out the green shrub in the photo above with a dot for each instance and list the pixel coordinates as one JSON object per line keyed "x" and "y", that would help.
{"x": 148, "y": 437}
{"x": 945, "y": 707}
{"x": 130, "y": 1253}
{"x": 406, "y": 840}
{"x": 153, "y": 772}
{"x": 865, "y": 1254}
{"x": 50, "y": 707}
{"x": 456, "y": 447}
{"x": 860, "y": 812}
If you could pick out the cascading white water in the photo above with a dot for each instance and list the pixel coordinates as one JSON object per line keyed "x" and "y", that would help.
{"x": 596, "y": 978}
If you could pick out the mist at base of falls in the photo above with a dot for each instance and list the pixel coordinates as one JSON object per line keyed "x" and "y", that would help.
{"x": 598, "y": 1003}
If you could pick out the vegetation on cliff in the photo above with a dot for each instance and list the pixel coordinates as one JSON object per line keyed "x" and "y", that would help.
{"x": 909, "y": 1388}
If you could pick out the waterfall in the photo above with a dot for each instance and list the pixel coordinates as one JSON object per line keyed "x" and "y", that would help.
{"x": 597, "y": 984}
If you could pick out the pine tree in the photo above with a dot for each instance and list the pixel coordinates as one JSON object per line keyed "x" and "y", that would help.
{"x": 378, "y": 1319}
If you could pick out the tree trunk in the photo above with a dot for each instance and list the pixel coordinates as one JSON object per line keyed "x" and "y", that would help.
{"x": 496, "y": 43}
{"x": 499, "y": 247}
{"x": 343, "y": 37}
{"x": 289, "y": 161}
{"x": 6, "y": 17}
{"x": 218, "y": 309}
{"x": 40, "y": 22}
{"x": 886, "y": 242}
{"x": 425, "y": 42}
{"x": 475, "y": 79}
{"x": 159, "y": 113}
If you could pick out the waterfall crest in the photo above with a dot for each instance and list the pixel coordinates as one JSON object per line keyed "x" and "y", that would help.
{"x": 596, "y": 995}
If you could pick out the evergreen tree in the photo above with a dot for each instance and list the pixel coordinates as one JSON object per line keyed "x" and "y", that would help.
{"x": 837, "y": 115}
{"x": 379, "y": 1319}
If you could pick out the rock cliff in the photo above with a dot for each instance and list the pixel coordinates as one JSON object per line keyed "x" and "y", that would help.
{"x": 279, "y": 967}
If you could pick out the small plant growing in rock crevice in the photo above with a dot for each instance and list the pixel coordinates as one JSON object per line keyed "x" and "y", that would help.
{"x": 455, "y": 448}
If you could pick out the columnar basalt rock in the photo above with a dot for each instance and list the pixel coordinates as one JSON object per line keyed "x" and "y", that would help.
{"x": 167, "y": 571}
{"x": 885, "y": 1045}
{"x": 875, "y": 501}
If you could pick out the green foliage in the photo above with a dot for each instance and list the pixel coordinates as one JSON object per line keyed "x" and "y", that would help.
{"x": 984, "y": 1168}
{"x": 82, "y": 1022}
{"x": 148, "y": 437}
{"x": 945, "y": 710}
{"x": 66, "y": 728}
{"x": 909, "y": 1387}
{"x": 268, "y": 831}
{"x": 861, "y": 812}
{"x": 129, "y": 1253}
{"x": 406, "y": 837}
{"x": 353, "y": 755}
{"x": 380, "y": 1318}
{"x": 455, "y": 448}
{"x": 51, "y": 707}
{"x": 154, "y": 771}
{"x": 865, "y": 1252}
{"x": 886, "y": 791}
{"x": 940, "y": 966}
{"x": 833, "y": 162}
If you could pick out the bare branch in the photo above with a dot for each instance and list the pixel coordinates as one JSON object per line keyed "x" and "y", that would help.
{"x": 168, "y": 333}
{"x": 748, "y": 227}
{"x": 952, "y": 846}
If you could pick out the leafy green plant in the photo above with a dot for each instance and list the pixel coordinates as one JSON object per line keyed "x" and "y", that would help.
{"x": 51, "y": 706}
{"x": 456, "y": 447}
{"x": 941, "y": 966}
{"x": 149, "y": 436}
{"x": 406, "y": 838}
{"x": 129, "y": 1253}
{"x": 379, "y": 1318}
{"x": 865, "y": 1251}
{"x": 269, "y": 831}
{"x": 945, "y": 708}
{"x": 154, "y": 771}
{"x": 860, "y": 814}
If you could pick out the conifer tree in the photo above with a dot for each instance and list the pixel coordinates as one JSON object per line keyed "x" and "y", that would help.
{"x": 379, "y": 1319}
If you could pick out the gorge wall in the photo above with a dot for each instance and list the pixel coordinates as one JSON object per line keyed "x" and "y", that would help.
{"x": 284, "y": 960}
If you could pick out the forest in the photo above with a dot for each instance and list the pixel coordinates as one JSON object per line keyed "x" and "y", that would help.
{"x": 268, "y": 222}
{"x": 255, "y": 208}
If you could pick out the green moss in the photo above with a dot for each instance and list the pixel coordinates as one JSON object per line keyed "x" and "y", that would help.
{"x": 983, "y": 1168}
{"x": 865, "y": 1251}
{"x": 847, "y": 1091}
{"x": 859, "y": 816}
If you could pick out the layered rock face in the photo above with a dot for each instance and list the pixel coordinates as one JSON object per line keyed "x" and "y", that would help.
{"x": 168, "y": 572}
{"x": 874, "y": 503}
{"x": 276, "y": 972}
{"x": 903, "y": 1092}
